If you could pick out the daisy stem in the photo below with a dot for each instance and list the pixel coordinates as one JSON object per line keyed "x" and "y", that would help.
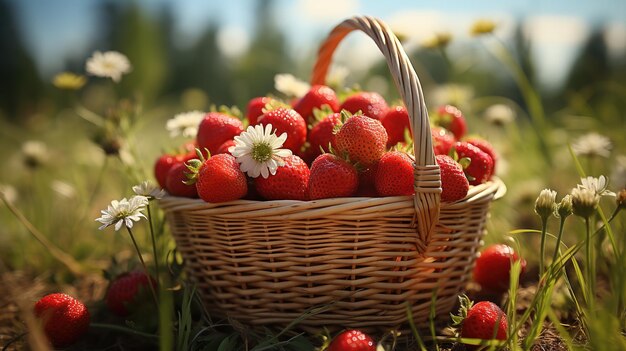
{"x": 542, "y": 248}
{"x": 145, "y": 268}
{"x": 154, "y": 247}
{"x": 557, "y": 248}
{"x": 590, "y": 266}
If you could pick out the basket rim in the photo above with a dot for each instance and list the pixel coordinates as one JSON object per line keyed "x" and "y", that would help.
{"x": 293, "y": 209}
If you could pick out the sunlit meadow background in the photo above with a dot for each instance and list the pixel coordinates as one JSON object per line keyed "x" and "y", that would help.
{"x": 536, "y": 86}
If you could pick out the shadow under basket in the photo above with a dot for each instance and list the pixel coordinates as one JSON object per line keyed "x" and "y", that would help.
{"x": 343, "y": 262}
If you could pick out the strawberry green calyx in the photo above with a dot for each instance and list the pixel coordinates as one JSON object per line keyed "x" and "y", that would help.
{"x": 345, "y": 115}
{"x": 465, "y": 305}
{"x": 321, "y": 113}
{"x": 232, "y": 111}
{"x": 194, "y": 166}
{"x": 275, "y": 104}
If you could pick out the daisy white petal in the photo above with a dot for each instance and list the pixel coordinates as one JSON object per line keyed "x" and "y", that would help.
{"x": 185, "y": 124}
{"x": 592, "y": 144}
{"x": 597, "y": 185}
{"x": 123, "y": 212}
{"x": 258, "y": 150}
{"x": 148, "y": 190}
{"x": 110, "y": 64}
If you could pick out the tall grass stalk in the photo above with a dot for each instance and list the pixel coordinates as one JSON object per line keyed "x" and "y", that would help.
{"x": 530, "y": 95}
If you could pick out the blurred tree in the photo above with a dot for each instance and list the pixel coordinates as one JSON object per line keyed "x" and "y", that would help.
{"x": 20, "y": 87}
{"x": 203, "y": 66}
{"x": 595, "y": 87}
{"x": 266, "y": 56}
{"x": 591, "y": 66}
{"x": 130, "y": 31}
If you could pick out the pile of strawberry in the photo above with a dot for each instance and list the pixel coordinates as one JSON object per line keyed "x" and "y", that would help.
{"x": 354, "y": 147}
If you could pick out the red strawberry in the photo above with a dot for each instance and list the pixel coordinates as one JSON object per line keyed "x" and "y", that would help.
{"x": 316, "y": 97}
{"x": 493, "y": 266}
{"x": 442, "y": 140}
{"x": 127, "y": 290}
{"x": 484, "y": 320}
{"x": 352, "y": 340}
{"x": 454, "y": 184}
{"x": 363, "y": 139}
{"x": 485, "y": 146}
{"x": 288, "y": 121}
{"x": 321, "y": 135}
{"x": 175, "y": 185}
{"x": 165, "y": 162}
{"x": 396, "y": 123}
{"x": 394, "y": 174}
{"x": 452, "y": 119}
{"x": 223, "y": 149}
{"x": 255, "y": 108}
{"x": 64, "y": 318}
{"x": 369, "y": 103}
{"x": 480, "y": 168}
{"x": 332, "y": 176}
{"x": 162, "y": 166}
{"x": 215, "y": 129}
{"x": 289, "y": 183}
{"x": 219, "y": 178}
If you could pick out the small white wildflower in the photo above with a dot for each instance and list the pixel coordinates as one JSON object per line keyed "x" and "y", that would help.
{"x": 35, "y": 153}
{"x": 258, "y": 151}
{"x": 499, "y": 114}
{"x": 337, "y": 76}
{"x": 9, "y": 193}
{"x": 545, "y": 203}
{"x": 597, "y": 185}
{"x": 290, "y": 85}
{"x": 62, "y": 188}
{"x": 109, "y": 64}
{"x": 185, "y": 124}
{"x": 149, "y": 190}
{"x": 584, "y": 202}
{"x": 123, "y": 212}
{"x": 592, "y": 144}
{"x": 564, "y": 208}
{"x": 453, "y": 94}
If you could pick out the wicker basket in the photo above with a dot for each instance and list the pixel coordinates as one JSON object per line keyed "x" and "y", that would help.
{"x": 356, "y": 262}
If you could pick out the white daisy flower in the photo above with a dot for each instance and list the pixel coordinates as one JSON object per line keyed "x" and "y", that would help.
{"x": 123, "y": 212}
{"x": 597, "y": 185}
{"x": 9, "y": 193}
{"x": 149, "y": 190}
{"x": 290, "y": 85}
{"x": 584, "y": 202}
{"x": 185, "y": 124}
{"x": 499, "y": 114}
{"x": 545, "y": 203}
{"x": 63, "y": 188}
{"x": 592, "y": 144}
{"x": 35, "y": 153}
{"x": 110, "y": 64}
{"x": 258, "y": 151}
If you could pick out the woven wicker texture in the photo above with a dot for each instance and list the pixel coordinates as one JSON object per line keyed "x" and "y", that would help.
{"x": 354, "y": 262}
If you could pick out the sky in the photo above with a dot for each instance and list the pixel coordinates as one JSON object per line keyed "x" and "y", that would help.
{"x": 57, "y": 29}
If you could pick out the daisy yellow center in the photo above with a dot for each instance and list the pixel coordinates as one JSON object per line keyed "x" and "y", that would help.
{"x": 262, "y": 152}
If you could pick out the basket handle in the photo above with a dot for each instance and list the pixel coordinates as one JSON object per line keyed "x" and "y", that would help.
{"x": 426, "y": 173}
